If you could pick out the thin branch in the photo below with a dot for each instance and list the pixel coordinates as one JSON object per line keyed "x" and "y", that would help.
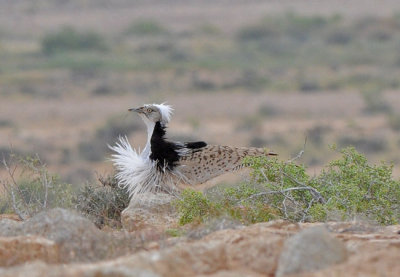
{"x": 46, "y": 188}
{"x": 284, "y": 207}
{"x": 277, "y": 192}
{"x": 298, "y": 156}
{"x": 306, "y": 210}
{"x": 316, "y": 194}
{"x": 14, "y": 184}
{"x": 9, "y": 189}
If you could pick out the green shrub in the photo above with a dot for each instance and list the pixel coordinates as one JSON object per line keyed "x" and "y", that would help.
{"x": 239, "y": 203}
{"x": 367, "y": 144}
{"x": 193, "y": 206}
{"x": 394, "y": 121}
{"x": 208, "y": 29}
{"x": 317, "y": 134}
{"x": 339, "y": 36}
{"x": 268, "y": 110}
{"x": 374, "y": 101}
{"x": 346, "y": 188}
{"x": 145, "y": 28}
{"x": 290, "y": 25}
{"x": 6, "y": 123}
{"x": 352, "y": 186}
{"x": 257, "y": 32}
{"x": 68, "y": 39}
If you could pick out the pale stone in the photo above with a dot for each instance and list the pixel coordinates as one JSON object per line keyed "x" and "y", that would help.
{"x": 310, "y": 250}
{"x": 151, "y": 211}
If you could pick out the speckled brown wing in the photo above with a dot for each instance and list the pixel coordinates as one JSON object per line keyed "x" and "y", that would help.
{"x": 211, "y": 161}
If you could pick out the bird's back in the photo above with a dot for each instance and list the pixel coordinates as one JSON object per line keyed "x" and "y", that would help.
{"x": 213, "y": 160}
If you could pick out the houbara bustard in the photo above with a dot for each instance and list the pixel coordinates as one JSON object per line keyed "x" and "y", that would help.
{"x": 164, "y": 166}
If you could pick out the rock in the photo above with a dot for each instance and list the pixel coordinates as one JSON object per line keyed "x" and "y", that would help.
{"x": 8, "y": 227}
{"x": 17, "y": 250}
{"x": 153, "y": 211}
{"x": 310, "y": 250}
{"x": 39, "y": 269}
{"x": 213, "y": 225}
{"x": 251, "y": 251}
{"x": 246, "y": 251}
{"x": 78, "y": 238}
{"x": 381, "y": 262}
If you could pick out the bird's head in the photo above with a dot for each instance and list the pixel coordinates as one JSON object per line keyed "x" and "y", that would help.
{"x": 154, "y": 112}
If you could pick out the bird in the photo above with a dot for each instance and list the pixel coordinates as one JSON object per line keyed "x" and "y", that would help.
{"x": 166, "y": 166}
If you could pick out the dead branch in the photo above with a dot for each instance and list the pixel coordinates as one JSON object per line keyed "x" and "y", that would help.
{"x": 11, "y": 186}
{"x": 298, "y": 156}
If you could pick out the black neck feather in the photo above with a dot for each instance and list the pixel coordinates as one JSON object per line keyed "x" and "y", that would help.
{"x": 166, "y": 153}
{"x": 163, "y": 151}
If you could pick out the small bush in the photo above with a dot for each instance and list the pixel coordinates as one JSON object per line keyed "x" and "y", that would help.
{"x": 252, "y": 80}
{"x": 249, "y": 123}
{"x": 193, "y": 206}
{"x": 103, "y": 89}
{"x": 145, "y": 28}
{"x": 68, "y": 39}
{"x": 257, "y": 141}
{"x": 257, "y": 32}
{"x": 394, "y": 121}
{"x": 268, "y": 110}
{"x": 307, "y": 86}
{"x": 366, "y": 144}
{"x": 340, "y": 36}
{"x": 115, "y": 127}
{"x": 203, "y": 84}
{"x": 30, "y": 188}
{"x": 235, "y": 202}
{"x": 6, "y": 123}
{"x": 317, "y": 134}
{"x": 239, "y": 202}
{"x": 208, "y": 29}
{"x": 375, "y": 102}
{"x": 290, "y": 25}
{"x": 103, "y": 204}
{"x": 92, "y": 151}
{"x": 351, "y": 186}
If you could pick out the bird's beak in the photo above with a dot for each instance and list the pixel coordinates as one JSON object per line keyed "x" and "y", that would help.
{"x": 138, "y": 110}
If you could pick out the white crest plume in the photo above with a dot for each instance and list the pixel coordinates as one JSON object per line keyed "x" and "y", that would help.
{"x": 166, "y": 112}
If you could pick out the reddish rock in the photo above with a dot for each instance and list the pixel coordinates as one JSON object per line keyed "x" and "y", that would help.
{"x": 10, "y": 216}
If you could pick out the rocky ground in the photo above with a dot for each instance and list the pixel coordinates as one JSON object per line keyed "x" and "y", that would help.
{"x": 63, "y": 243}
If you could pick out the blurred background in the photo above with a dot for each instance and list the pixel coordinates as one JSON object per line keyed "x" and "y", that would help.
{"x": 244, "y": 73}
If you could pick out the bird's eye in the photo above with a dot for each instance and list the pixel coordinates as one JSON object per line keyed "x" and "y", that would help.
{"x": 149, "y": 110}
